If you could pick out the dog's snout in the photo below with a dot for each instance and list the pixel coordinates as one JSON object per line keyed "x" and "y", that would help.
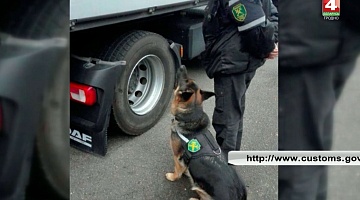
{"x": 182, "y": 67}
{"x": 181, "y": 77}
{"x": 182, "y": 72}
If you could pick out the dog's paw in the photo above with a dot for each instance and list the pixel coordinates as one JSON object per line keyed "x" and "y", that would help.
{"x": 171, "y": 177}
{"x": 193, "y": 199}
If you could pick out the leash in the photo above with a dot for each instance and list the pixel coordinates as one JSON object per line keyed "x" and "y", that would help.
{"x": 182, "y": 136}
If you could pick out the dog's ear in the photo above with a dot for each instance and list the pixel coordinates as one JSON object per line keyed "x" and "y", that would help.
{"x": 206, "y": 94}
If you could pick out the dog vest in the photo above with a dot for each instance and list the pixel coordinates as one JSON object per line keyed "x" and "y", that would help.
{"x": 198, "y": 145}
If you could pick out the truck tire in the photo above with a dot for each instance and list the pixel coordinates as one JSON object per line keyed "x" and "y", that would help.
{"x": 145, "y": 84}
{"x": 41, "y": 19}
{"x": 52, "y": 141}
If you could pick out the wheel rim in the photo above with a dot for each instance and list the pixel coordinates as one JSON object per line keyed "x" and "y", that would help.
{"x": 145, "y": 84}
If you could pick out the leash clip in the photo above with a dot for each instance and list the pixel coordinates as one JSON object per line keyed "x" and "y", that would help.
{"x": 217, "y": 152}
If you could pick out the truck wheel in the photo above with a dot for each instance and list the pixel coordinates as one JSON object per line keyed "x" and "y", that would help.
{"x": 145, "y": 84}
{"x": 52, "y": 144}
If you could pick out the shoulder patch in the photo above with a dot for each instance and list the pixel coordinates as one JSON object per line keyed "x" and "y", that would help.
{"x": 239, "y": 12}
{"x": 194, "y": 145}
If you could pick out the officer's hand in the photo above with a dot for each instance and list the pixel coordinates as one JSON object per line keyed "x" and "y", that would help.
{"x": 274, "y": 53}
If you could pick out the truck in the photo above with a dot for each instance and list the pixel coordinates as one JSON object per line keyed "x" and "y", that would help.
{"x": 124, "y": 57}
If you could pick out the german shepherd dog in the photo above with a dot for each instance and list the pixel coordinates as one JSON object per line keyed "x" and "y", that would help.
{"x": 196, "y": 153}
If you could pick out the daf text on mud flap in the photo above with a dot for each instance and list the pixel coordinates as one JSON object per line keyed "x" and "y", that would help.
{"x": 81, "y": 138}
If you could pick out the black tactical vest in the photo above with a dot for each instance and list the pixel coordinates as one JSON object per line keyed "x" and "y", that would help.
{"x": 198, "y": 145}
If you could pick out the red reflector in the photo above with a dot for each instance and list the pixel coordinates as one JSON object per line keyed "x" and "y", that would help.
{"x": 83, "y": 94}
{"x": 181, "y": 52}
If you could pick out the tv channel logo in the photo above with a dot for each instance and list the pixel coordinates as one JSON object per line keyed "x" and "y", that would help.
{"x": 331, "y": 8}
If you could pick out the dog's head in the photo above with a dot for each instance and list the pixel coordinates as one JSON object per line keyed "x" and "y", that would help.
{"x": 187, "y": 95}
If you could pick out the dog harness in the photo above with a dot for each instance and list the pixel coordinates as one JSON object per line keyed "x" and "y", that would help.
{"x": 198, "y": 145}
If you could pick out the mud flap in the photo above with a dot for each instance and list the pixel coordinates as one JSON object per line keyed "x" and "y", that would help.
{"x": 88, "y": 124}
{"x": 89, "y": 140}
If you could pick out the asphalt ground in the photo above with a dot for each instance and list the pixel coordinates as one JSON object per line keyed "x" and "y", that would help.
{"x": 135, "y": 167}
{"x": 344, "y": 181}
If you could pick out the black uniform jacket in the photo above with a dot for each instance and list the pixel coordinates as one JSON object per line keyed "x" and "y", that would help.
{"x": 223, "y": 52}
{"x": 308, "y": 40}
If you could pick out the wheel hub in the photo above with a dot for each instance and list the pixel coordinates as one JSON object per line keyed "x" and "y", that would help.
{"x": 145, "y": 84}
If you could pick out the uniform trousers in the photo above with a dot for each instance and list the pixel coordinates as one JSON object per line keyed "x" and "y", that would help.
{"x": 307, "y": 97}
{"x": 229, "y": 109}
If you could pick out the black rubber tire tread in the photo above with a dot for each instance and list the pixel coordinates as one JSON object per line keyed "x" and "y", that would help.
{"x": 52, "y": 143}
{"x": 117, "y": 51}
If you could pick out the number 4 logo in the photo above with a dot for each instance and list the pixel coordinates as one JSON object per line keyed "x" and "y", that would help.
{"x": 331, "y": 4}
{"x": 331, "y": 7}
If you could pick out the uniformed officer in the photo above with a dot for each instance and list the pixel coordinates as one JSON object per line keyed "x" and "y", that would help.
{"x": 317, "y": 57}
{"x": 228, "y": 60}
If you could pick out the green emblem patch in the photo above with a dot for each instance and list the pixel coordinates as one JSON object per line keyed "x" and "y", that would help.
{"x": 194, "y": 145}
{"x": 239, "y": 12}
